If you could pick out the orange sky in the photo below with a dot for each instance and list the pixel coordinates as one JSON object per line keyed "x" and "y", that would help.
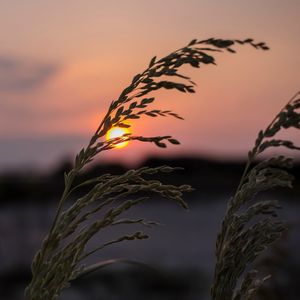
{"x": 62, "y": 62}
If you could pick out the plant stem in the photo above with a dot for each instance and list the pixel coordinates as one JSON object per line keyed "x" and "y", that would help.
{"x": 63, "y": 198}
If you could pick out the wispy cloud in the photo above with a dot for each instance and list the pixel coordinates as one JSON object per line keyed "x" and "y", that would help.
{"x": 19, "y": 75}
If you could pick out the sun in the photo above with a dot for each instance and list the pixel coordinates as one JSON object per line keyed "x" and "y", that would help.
{"x": 115, "y": 132}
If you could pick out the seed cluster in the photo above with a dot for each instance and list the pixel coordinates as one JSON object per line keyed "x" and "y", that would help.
{"x": 249, "y": 228}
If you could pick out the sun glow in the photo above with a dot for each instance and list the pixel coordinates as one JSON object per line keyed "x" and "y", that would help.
{"x": 117, "y": 132}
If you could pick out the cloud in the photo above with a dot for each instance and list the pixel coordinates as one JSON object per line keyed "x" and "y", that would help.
{"x": 19, "y": 75}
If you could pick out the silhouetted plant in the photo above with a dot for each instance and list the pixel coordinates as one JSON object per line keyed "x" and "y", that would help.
{"x": 60, "y": 258}
{"x": 248, "y": 229}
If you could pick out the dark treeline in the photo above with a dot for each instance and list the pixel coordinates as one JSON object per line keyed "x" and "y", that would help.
{"x": 208, "y": 177}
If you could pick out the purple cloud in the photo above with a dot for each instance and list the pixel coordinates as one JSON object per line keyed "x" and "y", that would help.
{"x": 19, "y": 75}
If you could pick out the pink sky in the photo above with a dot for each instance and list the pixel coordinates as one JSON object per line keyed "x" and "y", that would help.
{"x": 62, "y": 62}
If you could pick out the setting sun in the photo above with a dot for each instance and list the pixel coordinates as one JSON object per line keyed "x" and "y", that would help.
{"x": 117, "y": 132}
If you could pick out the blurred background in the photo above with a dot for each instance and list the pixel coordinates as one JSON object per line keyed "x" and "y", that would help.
{"x": 63, "y": 62}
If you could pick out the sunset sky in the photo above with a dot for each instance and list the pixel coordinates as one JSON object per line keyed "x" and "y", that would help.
{"x": 62, "y": 62}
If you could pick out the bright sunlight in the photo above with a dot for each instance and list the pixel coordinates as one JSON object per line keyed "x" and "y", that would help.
{"x": 117, "y": 132}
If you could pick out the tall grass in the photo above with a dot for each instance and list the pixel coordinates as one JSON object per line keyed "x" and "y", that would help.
{"x": 64, "y": 250}
{"x": 251, "y": 225}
